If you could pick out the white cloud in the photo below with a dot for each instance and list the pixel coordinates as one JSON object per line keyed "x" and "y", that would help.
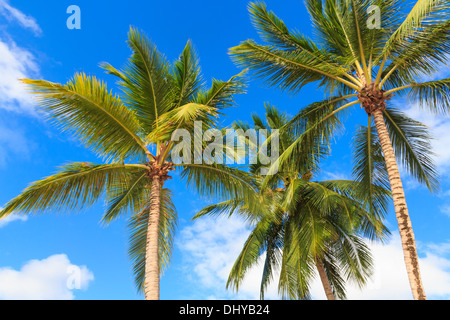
{"x": 211, "y": 246}
{"x": 11, "y": 218}
{"x": 390, "y": 279}
{"x": 13, "y": 14}
{"x": 16, "y": 63}
{"x": 445, "y": 209}
{"x": 53, "y": 278}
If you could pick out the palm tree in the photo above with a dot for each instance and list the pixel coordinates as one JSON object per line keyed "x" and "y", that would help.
{"x": 133, "y": 136}
{"x": 301, "y": 225}
{"x": 357, "y": 62}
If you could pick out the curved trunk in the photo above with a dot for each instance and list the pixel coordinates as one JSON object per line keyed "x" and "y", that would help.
{"x": 324, "y": 278}
{"x": 151, "y": 284}
{"x": 401, "y": 210}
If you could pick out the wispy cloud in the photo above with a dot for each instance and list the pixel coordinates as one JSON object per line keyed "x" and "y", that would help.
{"x": 52, "y": 278}
{"x": 11, "y": 218}
{"x": 14, "y": 15}
{"x": 445, "y": 209}
{"x": 210, "y": 247}
{"x": 390, "y": 280}
{"x": 16, "y": 63}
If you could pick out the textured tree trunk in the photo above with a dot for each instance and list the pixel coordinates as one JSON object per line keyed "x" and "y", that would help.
{"x": 324, "y": 278}
{"x": 151, "y": 284}
{"x": 401, "y": 210}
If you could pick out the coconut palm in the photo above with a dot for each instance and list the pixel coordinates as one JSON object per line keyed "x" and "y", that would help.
{"x": 364, "y": 53}
{"x": 301, "y": 225}
{"x": 133, "y": 135}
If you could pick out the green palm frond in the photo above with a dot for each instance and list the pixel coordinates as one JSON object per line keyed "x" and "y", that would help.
{"x": 86, "y": 108}
{"x": 363, "y": 212}
{"x": 314, "y": 127}
{"x": 73, "y": 186}
{"x": 252, "y": 250}
{"x": 251, "y": 211}
{"x": 332, "y": 30}
{"x": 146, "y": 80}
{"x": 273, "y": 31}
{"x": 355, "y": 259}
{"x": 297, "y": 270}
{"x": 127, "y": 195}
{"x": 221, "y": 94}
{"x": 431, "y": 95}
{"x": 422, "y": 55}
{"x": 227, "y": 207}
{"x": 183, "y": 117}
{"x": 273, "y": 255}
{"x": 424, "y": 13}
{"x": 412, "y": 145}
{"x": 220, "y": 181}
{"x": 371, "y": 173}
{"x": 285, "y": 69}
{"x": 187, "y": 78}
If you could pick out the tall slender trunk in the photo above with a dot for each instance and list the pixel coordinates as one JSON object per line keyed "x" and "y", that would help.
{"x": 401, "y": 210}
{"x": 151, "y": 283}
{"x": 324, "y": 278}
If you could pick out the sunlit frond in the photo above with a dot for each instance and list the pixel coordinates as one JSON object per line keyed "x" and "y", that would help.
{"x": 87, "y": 109}
{"x": 74, "y": 186}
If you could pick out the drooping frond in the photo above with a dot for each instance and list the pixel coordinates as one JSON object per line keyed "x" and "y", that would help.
{"x": 412, "y": 146}
{"x": 370, "y": 171}
{"x": 365, "y": 213}
{"x": 219, "y": 181}
{"x": 297, "y": 269}
{"x": 355, "y": 259}
{"x": 431, "y": 95}
{"x": 74, "y": 186}
{"x": 252, "y": 250}
{"x": 314, "y": 127}
{"x": 127, "y": 195}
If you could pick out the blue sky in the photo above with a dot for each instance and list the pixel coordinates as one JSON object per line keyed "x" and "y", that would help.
{"x": 45, "y": 250}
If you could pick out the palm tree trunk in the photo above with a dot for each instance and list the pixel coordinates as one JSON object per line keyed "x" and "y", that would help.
{"x": 325, "y": 281}
{"x": 151, "y": 284}
{"x": 401, "y": 210}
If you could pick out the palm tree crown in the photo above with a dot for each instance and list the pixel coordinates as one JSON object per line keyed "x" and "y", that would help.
{"x": 302, "y": 224}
